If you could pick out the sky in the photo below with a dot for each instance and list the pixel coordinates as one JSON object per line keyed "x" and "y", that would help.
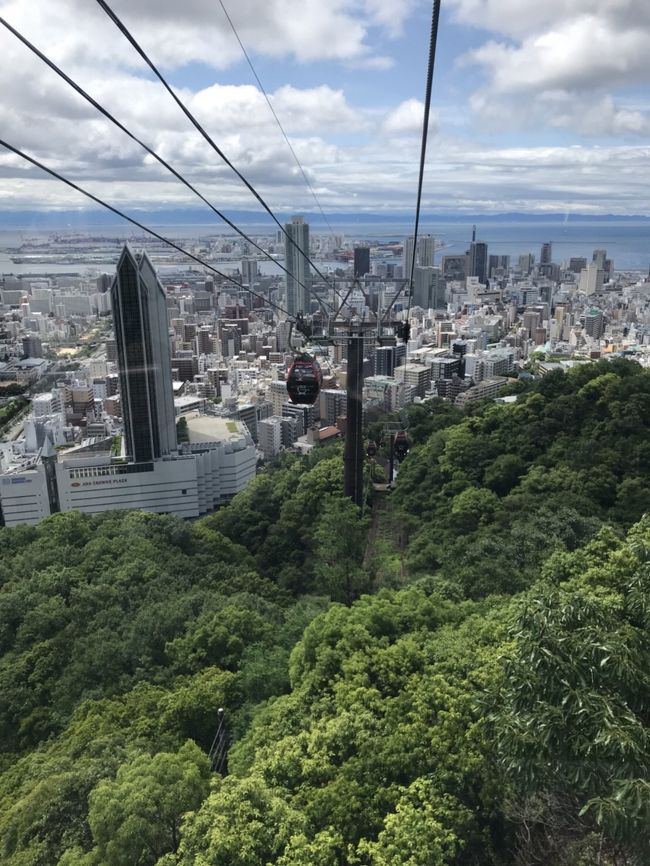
{"x": 537, "y": 107}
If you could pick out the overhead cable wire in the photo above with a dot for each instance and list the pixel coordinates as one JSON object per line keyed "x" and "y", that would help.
{"x": 277, "y": 119}
{"x": 435, "y": 18}
{"x": 83, "y": 93}
{"x": 55, "y": 174}
{"x": 198, "y": 126}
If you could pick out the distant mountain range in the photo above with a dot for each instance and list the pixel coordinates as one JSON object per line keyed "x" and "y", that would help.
{"x": 79, "y": 219}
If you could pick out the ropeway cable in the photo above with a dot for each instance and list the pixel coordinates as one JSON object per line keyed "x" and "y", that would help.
{"x": 425, "y": 131}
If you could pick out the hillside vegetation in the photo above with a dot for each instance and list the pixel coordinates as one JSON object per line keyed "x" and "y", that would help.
{"x": 484, "y": 705}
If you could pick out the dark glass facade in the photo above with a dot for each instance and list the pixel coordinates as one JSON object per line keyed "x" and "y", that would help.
{"x": 143, "y": 360}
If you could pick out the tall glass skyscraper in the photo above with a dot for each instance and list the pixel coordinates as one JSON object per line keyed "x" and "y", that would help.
{"x": 477, "y": 259}
{"x": 143, "y": 357}
{"x": 297, "y": 265}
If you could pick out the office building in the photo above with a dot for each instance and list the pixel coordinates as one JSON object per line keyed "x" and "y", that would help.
{"x": 384, "y": 360}
{"x": 454, "y": 267}
{"x": 303, "y": 413}
{"x": 429, "y": 289}
{"x": 592, "y": 279}
{"x": 498, "y": 265}
{"x": 32, "y": 347}
{"x": 477, "y": 259}
{"x": 444, "y": 367}
{"x": 290, "y": 433}
{"x": 594, "y": 324}
{"x": 415, "y": 376}
{"x": 487, "y": 389}
{"x": 297, "y": 280}
{"x": 546, "y": 255}
{"x": 577, "y": 264}
{"x": 142, "y": 337}
{"x": 599, "y": 257}
{"x": 526, "y": 262}
{"x": 531, "y": 321}
{"x": 424, "y": 255}
{"x": 204, "y": 341}
{"x": 385, "y": 392}
{"x": 361, "y": 261}
{"x": 270, "y": 436}
{"x": 111, "y": 350}
{"x": 249, "y": 272}
{"x": 333, "y": 404}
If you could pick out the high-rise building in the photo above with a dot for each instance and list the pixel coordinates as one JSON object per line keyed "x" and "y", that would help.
{"x": 384, "y": 360}
{"x": 417, "y": 376}
{"x": 333, "y": 403}
{"x": 594, "y": 323}
{"x": 270, "y": 436}
{"x": 32, "y": 347}
{"x": 424, "y": 255}
{"x": 361, "y": 261}
{"x": 546, "y": 266}
{"x": 531, "y": 321}
{"x": 454, "y": 267}
{"x": 477, "y": 259}
{"x": 600, "y": 257}
{"x": 297, "y": 280}
{"x": 429, "y": 288}
{"x": 498, "y": 263}
{"x": 142, "y": 339}
{"x": 204, "y": 341}
{"x": 249, "y": 272}
{"x": 577, "y": 264}
{"x": 526, "y": 262}
{"x": 591, "y": 279}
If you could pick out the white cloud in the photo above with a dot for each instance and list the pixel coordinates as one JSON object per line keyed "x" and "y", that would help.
{"x": 552, "y": 74}
{"x": 407, "y": 119}
{"x": 366, "y": 176}
{"x": 519, "y": 18}
{"x": 175, "y": 34}
{"x": 316, "y": 108}
{"x": 392, "y": 14}
{"x": 581, "y": 53}
{"x": 560, "y": 65}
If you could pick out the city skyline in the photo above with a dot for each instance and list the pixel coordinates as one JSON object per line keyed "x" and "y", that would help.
{"x": 536, "y": 109}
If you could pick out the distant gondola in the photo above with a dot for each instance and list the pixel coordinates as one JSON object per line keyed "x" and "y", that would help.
{"x": 401, "y": 445}
{"x": 304, "y": 380}
{"x": 371, "y": 448}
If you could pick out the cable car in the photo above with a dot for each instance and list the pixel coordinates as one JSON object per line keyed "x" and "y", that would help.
{"x": 304, "y": 379}
{"x": 400, "y": 445}
{"x": 371, "y": 449}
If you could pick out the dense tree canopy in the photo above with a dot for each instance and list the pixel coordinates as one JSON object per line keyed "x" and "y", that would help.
{"x": 456, "y": 677}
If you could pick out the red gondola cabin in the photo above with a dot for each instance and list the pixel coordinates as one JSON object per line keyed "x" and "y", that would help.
{"x": 304, "y": 380}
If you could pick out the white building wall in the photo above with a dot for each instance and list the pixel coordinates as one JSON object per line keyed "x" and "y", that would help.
{"x": 269, "y": 432}
{"x": 187, "y": 485}
{"x": 237, "y": 469}
{"x": 170, "y": 486}
{"x": 24, "y": 497}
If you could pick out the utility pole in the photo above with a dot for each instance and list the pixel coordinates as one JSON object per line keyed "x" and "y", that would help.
{"x": 353, "y": 456}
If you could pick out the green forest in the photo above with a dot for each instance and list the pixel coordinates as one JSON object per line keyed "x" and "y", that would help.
{"x": 457, "y": 676}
